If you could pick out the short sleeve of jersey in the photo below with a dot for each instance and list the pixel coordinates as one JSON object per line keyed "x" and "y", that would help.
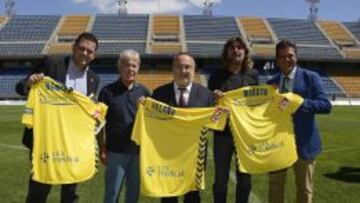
{"x": 102, "y": 109}
{"x": 28, "y": 114}
{"x": 295, "y": 101}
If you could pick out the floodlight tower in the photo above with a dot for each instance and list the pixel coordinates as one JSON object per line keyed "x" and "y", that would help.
{"x": 313, "y": 9}
{"x": 122, "y": 7}
{"x": 208, "y": 4}
{"x": 9, "y": 8}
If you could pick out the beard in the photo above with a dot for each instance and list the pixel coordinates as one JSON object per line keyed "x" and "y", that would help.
{"x": 238, "y": 60}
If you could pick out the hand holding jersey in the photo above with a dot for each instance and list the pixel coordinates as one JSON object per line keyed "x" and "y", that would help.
{"x": 64, "y": 132}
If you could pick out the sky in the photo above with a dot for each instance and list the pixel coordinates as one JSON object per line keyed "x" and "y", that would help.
{"x": 338, "y": 10}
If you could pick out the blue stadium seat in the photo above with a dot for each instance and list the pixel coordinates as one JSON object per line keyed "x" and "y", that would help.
{"x": 29, "y": 28}
{"x": 116, "y": 48}
{"x": 354, "y": 28}
{"x": 21, "y": 49}
{"x": 312, "y": 44}
{"x": 123, "y": 27}
{"x": 8, "y": 79}
{"x": 210, "y": 28}
{"x": 205, "y": 49}
{"x": 300, "y": 31}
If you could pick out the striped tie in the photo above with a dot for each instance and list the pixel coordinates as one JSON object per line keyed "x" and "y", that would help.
{"x": 182, "y": 101}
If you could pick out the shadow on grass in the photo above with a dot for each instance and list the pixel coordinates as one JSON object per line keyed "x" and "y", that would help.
{"x": 346, "y": 174}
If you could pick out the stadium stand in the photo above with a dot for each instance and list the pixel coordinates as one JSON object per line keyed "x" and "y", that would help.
{"x": 166, "y": 48}
{"x": 156, "y": 37}
{"x": 8, "y": 79}
{"x": 21, "y": 49}
{"x": 154, "y": 78}
{"x": 263, "y": 50}
{"x": 208, "y": 28}
{"x": 3, "y": 20}
{"x": 60, "y": 48}
{"x": 206, "y": 34}
{"x": 311, "y": 41}
{"x": 348, "y": 79}
{"x": 354, "y": 27}
{"x": 300, "y": 31}
{"x": 256, "y": 30}
{"x": 260, "y": 36}
{"x": 26, "y": 34}
{"x": 351, "y": 52}
{"x": 29, "y": 28}
{"x": 114, "y": 48}
{"x": 332, "y": 88}
{"x": 124, "y": 27}
{"x": 73, "y": 25}
{"x": 337, "y": 33}
{"x": 342, "y": 38}
{"x": 205, "y": 49}
{"x": 166, "y": 25}
{"x": 166, "y": 35}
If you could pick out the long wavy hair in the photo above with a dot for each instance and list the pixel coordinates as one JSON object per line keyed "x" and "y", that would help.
{"x": 247, "y": 62}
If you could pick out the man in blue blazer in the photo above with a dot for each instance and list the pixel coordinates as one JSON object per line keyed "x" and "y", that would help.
{"x": 184, "y": 92}
{"x": 308, "y": 85}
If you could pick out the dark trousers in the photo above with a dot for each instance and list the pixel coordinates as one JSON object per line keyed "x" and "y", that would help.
{"x": 190, "y": 197}
{"x": 38, "y": 192}
{"x": 223, "y": 151}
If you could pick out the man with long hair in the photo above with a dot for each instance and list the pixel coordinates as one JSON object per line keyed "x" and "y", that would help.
{"x": 235, "y": 73}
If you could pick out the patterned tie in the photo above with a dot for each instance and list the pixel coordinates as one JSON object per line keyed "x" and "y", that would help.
{"x": 285, "y": 85}
{"x": 182, "y": 101}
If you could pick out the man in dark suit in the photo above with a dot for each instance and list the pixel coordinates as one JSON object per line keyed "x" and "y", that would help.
{"x": 74, "y": 72}
{"x": 184, "y": 92}
{"x": 237, "y": 71}
{"x": 308, "y": 85}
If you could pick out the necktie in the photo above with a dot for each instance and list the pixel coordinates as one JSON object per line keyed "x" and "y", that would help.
{"x": 182, "y": 101}
{"x": 285, "y": 85}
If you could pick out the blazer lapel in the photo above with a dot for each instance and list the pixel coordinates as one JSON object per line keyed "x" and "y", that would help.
{"x": 172, "y": 98}
{"x": 63, "y": 66}
{"x": 297, "y": 81}
{"x": 90, "y": 82}
{"x": 192, "y": 96}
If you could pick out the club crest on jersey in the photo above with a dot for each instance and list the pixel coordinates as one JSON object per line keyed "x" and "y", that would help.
{"x": 217, "y": 114}
{"x": 284, "y": 103}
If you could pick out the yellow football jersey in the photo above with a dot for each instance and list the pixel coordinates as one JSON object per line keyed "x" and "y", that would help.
{"x": 262, "y": 127}
{"x": 173, "y": 146}
{"x": 64, "y": 124}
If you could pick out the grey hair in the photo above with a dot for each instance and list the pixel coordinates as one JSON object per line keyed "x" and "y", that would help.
{"x": 128, "y": 54}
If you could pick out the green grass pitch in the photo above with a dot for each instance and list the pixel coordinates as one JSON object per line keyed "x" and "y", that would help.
{"x": 337, "y": 173}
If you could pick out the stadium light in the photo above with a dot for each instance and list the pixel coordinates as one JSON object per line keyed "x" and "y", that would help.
{"x": 10, "y": 8}
{"x": 122, "y": 7}
{"x": 313, "y": 9}
{"x": 208, "y": 4}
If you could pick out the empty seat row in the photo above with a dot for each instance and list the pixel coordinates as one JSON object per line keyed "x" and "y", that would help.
{"x": 29, "y": 28}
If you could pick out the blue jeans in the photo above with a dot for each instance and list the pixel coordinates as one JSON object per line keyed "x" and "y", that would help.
{"x": 121, "y": 166}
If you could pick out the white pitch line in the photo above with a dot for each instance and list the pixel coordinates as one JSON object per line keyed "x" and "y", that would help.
{"x": 13, "y": 146}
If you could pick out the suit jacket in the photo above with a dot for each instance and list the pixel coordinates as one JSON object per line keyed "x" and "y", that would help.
{"x": 200, "y": 96}
{"x": 56, "y": 68}
{"x": 308, "y": 85}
